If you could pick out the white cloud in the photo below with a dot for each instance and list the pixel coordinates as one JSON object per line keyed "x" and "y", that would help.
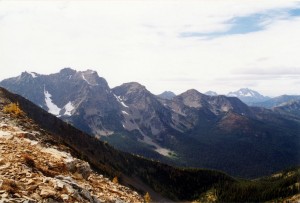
{"x": 138, "y": 41}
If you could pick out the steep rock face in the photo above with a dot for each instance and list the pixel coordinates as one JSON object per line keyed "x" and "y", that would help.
{"x": 80, "y": 97}
{"x": 141, "y": 110}
{"x": 143, "y": 113}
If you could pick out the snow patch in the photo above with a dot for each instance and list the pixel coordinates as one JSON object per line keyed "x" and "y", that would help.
{"x": 120, "y": 101}
{"x": 86, "y": 80}
{"x": 68, "y": 109}
{"x": 123, "y": 104}
{"x": 159, "y": 149}
{"x": 124, "y": 112}
{"x": 52, "y": 108}
{"x": 34, "y": 75}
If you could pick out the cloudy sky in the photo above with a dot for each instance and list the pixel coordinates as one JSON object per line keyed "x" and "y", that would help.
{"x": 165, "y": 45}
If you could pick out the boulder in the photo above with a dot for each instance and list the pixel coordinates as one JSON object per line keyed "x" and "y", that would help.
{"x": 47, "y": 191}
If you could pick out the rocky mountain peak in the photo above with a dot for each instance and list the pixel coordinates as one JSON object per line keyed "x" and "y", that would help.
{"x": 244, "y": 92}
{"x": 167, "y": 95}
{"x": 248, "y": 96}
{"x": 131, "y": 92}
{"x": 67, "y": 71}
{"x": 134, "y": 87}
{"x": 28, "y": 75}
{"x": 193, "y": 98}
{"x": 192, "y": 92}
{"x": 92, "y": 78}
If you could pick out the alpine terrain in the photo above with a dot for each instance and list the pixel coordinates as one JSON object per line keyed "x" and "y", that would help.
{"x": 190, "y": 129}
{"x": 44, "y": 159}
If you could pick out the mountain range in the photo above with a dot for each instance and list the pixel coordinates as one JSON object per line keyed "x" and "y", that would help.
{"x": 44, "y": 159}
{"x": 190, "y": 129}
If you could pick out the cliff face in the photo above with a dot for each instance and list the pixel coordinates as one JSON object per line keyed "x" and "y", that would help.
{"x": 33, "y": 167}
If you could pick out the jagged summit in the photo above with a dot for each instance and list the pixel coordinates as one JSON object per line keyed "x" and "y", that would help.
{"x": 67, "y": 71}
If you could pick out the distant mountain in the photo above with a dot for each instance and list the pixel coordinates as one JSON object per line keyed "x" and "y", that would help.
{"x": 167, "y": 95}
{"x": 211, "y": 93}
{"x": 191, "y": 129}
{"x": 248, "y": 96}
{"x": 72, "y": 96}
{"x": 278, "y": 101}
{"x": 292, "y": 107}
{"x": 35, "y": 135}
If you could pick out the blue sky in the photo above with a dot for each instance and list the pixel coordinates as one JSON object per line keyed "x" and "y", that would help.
{"x": 165, "y": 45}
{"x": 247, "y": 24}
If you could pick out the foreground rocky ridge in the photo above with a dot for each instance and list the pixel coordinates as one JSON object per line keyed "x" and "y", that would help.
{"x": 35, "y": 169}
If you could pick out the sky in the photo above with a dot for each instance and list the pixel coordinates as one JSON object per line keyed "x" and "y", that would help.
{"x": 165, "y": 45}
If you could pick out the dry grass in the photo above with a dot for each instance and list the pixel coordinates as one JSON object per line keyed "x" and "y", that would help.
{"x": 14, "y": 109}
{"x": 28, "y": 160}
{"x": 10, "y": 186}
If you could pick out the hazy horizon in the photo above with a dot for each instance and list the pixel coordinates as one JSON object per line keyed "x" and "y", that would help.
{"x": 166, "y": 45}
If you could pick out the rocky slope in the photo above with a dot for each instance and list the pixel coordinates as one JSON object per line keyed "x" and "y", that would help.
{"x": 34, "y": 169}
